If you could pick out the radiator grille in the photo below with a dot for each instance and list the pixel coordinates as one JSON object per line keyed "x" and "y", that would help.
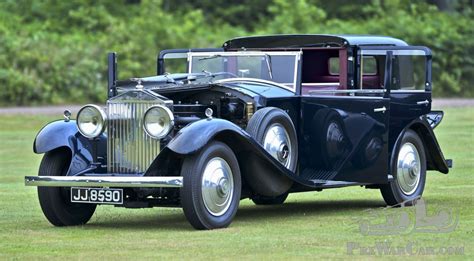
{"x": 129, "y": 148}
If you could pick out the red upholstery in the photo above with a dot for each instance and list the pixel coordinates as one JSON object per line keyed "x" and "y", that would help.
{"x": 329, "y": 78}
{"x": 371, "y": 82}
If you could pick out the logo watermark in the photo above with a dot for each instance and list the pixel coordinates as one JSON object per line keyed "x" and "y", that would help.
{"x": 408, "y": 220}
{"x": 409, "y": 249}
{"x": 403, "y": 221}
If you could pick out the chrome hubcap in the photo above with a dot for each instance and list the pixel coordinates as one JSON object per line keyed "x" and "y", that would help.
{"x": 277, "y": 143}
{"x": 217, "y": 186}
{"x": 408, "y": 168}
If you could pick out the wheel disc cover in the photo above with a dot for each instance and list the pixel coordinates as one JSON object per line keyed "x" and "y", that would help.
{"x": 217, "y": 186}
{"x": 408, "y": 168}
{"x": 277, "y": 142}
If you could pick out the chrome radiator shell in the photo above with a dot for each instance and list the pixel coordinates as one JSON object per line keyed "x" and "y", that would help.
{"x": 129, "y": 148}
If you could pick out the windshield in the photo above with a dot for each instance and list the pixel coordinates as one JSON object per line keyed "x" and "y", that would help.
{"x": 279, "y": 67}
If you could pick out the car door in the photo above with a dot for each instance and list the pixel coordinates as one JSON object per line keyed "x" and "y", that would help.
{"x": 344, "y": 132}
{"x": 410, "y": 85}
{"x": 408, "y": 77}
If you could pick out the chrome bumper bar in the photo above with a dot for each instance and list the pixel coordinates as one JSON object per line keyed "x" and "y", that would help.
{"x": 112, "y": 181}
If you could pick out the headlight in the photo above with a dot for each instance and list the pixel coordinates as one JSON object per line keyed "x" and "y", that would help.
{"x": 91, "y": 121}
{"x": 158, "y": 121}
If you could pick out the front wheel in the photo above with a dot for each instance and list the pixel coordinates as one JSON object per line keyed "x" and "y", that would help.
{"x": 211, "y": 187}
{"x": 55, "y": 201}
{"x": 409, "y": 172}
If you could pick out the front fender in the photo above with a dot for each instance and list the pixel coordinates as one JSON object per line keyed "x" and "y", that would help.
{"x": 85, "y": 155}
{"x": 196, "y": 135}
{"x": 261, "y": 172}
{"x": 54, "y": 135}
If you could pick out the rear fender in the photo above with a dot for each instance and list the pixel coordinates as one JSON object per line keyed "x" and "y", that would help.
{"x": 434, "y": 156}
{"x": 86, "y": 155}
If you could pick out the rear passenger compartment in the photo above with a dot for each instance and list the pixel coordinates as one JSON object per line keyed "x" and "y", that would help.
{"x": 324, "y": 69}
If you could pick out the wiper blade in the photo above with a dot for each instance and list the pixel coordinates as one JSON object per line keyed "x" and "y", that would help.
{"x": 169, "y": 79}
{"x": 213, "y": 75}
{"x": 173, "y": 79}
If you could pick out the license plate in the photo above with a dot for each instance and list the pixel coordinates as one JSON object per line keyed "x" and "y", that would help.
{"x": 97, "y": 195}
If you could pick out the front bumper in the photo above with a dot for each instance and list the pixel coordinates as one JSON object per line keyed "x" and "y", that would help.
{"x": 104, "y": 181}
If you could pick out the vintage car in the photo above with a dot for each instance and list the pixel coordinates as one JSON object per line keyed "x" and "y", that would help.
{"x": 258, "y": 118}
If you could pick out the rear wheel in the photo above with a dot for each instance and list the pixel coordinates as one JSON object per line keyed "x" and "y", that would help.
{"x": 55, "y": 201}
{"x": 211, "y": 187}
{"x": 409, "y": 172}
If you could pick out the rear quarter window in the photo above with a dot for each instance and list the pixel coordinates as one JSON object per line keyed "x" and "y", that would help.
{"x": 333, "y": 66}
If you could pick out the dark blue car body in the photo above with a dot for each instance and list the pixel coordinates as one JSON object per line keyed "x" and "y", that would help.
{"x": 355, "y": 97}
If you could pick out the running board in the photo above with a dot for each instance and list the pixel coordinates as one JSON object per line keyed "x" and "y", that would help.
{"x": 122, "y": 182}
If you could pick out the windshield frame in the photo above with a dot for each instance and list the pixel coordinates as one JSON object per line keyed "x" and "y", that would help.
{"x": 296, "y": 54}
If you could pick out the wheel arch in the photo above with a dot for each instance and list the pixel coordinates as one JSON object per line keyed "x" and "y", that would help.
{"x": 54, "y": 200}
{"x": 261, "y": 173}
{"x": 54, "y": 135}
{"x": 65, "y": 135}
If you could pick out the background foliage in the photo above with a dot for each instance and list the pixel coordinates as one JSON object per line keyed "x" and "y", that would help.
{"x": 54, "y": 51}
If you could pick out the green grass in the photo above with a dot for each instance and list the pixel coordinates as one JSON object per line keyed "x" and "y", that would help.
{"x": 308, "y": 225}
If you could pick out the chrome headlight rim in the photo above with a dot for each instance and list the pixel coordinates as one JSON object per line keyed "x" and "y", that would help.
{"x": 166, "y": 130}
{"x": 101, "y": 113}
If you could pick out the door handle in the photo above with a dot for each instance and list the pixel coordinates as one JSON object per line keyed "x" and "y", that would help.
{"x": 422, "y": 102}
{"x": 382, "y": 110}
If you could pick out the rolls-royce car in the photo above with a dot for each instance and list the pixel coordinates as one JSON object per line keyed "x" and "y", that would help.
{"x": 258, "y": 118}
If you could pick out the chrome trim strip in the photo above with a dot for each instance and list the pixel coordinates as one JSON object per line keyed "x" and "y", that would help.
{"x": 327, "y": 96}
{"x": 350, "y": 91}
{"x": 244, "y": 53}
{"x": 407, "y": 91}
{"x": 253, "y": 80}
{"x": 366, "y": 91}
{"x": 320, "y": 84}
{"x": 123, "y": 182}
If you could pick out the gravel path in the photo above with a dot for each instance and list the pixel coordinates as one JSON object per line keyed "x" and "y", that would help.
{"x": 43, "y": 110}
{"x": 59, "y": 109}
{"x": 452, "y": 103}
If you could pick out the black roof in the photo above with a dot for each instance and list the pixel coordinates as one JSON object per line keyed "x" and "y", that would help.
{"x": 309, "y": 40}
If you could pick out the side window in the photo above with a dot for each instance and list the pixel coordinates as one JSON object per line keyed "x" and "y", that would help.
{"x": 217, "y": 64}
{"x": 372, "y": 69}
{"x": 369, "y": 65}
{"x": 175, "y": 62}
{"x": 409, "y": 70}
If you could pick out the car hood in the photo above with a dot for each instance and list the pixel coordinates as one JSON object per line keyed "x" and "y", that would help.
{"x": 174, "y": 83}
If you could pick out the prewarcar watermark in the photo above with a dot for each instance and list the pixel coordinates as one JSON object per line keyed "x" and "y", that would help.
{"x": 386, "y": 248}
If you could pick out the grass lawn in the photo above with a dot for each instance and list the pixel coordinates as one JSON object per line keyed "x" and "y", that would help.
{"x": 308, "y": 225}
